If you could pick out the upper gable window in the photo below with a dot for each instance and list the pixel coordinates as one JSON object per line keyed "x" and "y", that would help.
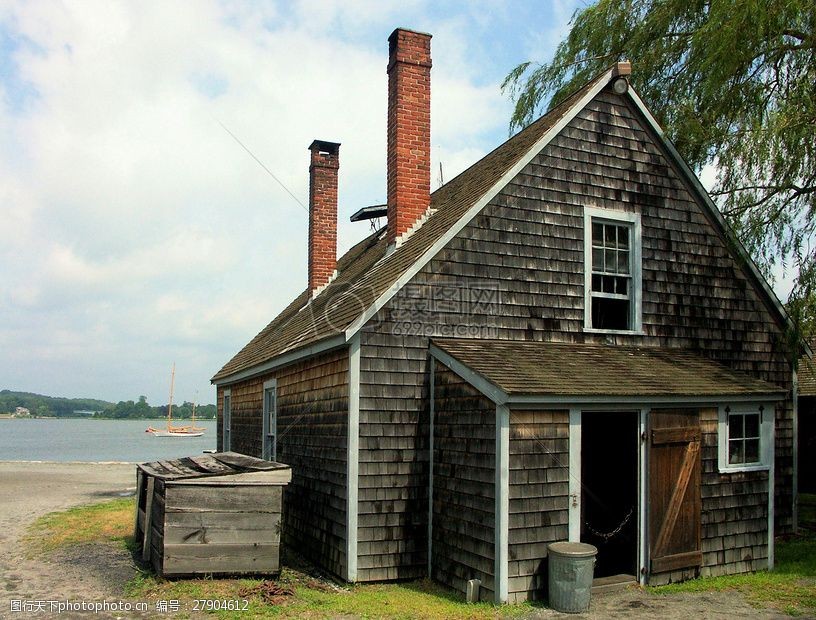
{"x": 612, "y": 270}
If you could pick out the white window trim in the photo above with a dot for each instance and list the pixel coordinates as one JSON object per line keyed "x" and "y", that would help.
{"x": 625, "y": 217}
{"x": 269, "y": 385}
{"x": 765, "y": 436}
{"x": 226, "y": 421}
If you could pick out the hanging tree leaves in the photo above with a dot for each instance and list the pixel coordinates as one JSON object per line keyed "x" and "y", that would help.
{"x": 733, "y": 84}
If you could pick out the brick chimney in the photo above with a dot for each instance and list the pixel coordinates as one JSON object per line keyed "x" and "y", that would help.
{"x": 323, "y": 212}
{"x": 409, "y": 129}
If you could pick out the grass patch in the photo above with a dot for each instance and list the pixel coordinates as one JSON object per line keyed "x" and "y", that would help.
{"x": 319, "y": 599}
{"x": 790, "y": 587}
{"x": 108, "y": 521}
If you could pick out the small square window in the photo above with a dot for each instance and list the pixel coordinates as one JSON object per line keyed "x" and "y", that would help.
{"x": 742, "y": 437}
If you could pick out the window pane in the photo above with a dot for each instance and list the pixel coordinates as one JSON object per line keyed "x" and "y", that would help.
{"x": 609, "y": 235}
{"x": 597, "y": 282}
{"x": 736, "y": 452}
{"x": 597, "y": 259}
{"x": 622, "y": 286}
{"x": 623, "y": 237}
{"x": 751, "y": 425}
{"x": 610, "y": 313}
{"x": 735, "y": 426}
{"x": 752, "y": 450}
{"x": 608, "y": 284}
{"x": 623, "y": 261}
{"x": 610, "y": 261}
{"x": 597, "y": 233}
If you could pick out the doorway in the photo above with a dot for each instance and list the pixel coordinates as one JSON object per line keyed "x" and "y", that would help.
{"x": 609, "y": 489}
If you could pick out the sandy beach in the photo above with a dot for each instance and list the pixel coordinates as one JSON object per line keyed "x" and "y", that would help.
{"x": 32, "y": 489}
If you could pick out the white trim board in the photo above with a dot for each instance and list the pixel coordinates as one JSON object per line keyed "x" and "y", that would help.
{"x": 267, "y": 422}
{"x": 502, "y": 492}
{"x": 575, "y": 496}
{"x": 353, "y": 460}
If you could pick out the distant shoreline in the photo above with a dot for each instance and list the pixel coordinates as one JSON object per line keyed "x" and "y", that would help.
{"x": 83, "y": 417}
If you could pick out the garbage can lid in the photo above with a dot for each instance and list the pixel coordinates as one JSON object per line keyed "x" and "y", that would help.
{"x": 573, "y": 549}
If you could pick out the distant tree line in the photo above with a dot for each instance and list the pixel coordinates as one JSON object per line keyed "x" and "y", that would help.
{"x": 129, "y": 410}
{"x": 49, "y": 406}
{"x": 57, "y": 407}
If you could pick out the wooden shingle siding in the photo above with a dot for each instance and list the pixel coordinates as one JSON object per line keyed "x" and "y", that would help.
{"x": 539, "y": 497}
{"x": 526, "y": 247}
{"x": 312, "y": 431}
{"x": 464, "y": 485}
{"x": 393, "y": 466}
{"x": 735, "y": 511}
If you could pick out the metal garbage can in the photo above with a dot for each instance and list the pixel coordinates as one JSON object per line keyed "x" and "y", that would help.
{"x": 571, "y": 568}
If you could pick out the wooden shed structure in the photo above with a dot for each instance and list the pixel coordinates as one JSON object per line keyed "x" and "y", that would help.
{"x": 216, "y": 514}
{"x": 570, "y": 315}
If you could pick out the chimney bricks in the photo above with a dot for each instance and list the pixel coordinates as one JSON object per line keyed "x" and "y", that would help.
{"x": 325, "y": 162}
{"x": 409, "y": 129}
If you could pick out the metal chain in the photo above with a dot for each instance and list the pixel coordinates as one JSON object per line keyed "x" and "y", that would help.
{"x": 614, "y": 532}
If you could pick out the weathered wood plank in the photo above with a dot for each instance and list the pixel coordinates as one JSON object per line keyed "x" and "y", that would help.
{"x": 151, "y": 482}
{"x": 221, "y": 558}
{"x": 186, "y": 498}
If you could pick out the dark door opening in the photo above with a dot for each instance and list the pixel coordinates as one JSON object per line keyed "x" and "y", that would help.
{"x": 609, "y": 488}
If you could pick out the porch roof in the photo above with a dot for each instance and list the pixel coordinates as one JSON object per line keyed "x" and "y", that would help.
{"x": 569, "y": 370}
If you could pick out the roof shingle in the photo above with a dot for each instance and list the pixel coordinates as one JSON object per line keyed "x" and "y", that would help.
{"x": 580, "y": 370}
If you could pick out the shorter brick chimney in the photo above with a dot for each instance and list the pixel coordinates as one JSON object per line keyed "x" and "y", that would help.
{"x": 325, "y": 162}
{"x": 409, "y": 129}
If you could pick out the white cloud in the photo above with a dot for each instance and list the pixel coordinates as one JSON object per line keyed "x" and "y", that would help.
{"x": 142, "y": 233}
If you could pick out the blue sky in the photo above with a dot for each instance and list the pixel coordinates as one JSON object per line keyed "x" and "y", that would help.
{"x": 137, "y": 233}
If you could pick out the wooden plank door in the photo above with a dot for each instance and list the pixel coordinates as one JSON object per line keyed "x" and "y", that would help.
{"x": 674, "y": 489}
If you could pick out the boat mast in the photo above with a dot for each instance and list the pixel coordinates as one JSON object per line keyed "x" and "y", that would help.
{"x": 170, "y": 404}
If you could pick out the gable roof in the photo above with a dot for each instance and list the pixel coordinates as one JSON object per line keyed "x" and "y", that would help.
{"x": 371, "y": 273}
{"x": 585, "y": 371}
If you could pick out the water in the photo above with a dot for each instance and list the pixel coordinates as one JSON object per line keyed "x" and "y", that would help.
{"x": 97, "y": 440}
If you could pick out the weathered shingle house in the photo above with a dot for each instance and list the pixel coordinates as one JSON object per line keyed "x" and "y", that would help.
{"x": 563, "y": 342}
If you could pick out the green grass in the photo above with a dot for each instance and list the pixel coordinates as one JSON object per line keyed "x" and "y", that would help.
{"x": 790, "y": 587}
{"x": 108, "y": 521}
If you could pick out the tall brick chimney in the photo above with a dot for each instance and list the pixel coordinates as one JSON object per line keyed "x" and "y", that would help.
{"x": 409, "y": 129}
{"x": 323, "y": 212}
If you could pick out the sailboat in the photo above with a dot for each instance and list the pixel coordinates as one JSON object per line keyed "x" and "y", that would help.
{"x": 175, "y": 431}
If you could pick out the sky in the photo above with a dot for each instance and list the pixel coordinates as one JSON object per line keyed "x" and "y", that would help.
{"x": 138, "y": 233}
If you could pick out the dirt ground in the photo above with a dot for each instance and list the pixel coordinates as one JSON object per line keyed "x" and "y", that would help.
{"x": 98, "y": 572}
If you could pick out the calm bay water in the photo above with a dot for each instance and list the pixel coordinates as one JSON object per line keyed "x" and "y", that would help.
{"x": 96, "y": 440}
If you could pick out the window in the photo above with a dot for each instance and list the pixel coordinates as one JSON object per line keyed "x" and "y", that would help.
{"x": 744, "y": 436}
{"x": 270, "y": 422}
{"x": 226, "y": 437}
{"x": 612, "y": 270}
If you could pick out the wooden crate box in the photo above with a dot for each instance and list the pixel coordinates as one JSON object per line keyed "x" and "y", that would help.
{"x": 217, "y": 514}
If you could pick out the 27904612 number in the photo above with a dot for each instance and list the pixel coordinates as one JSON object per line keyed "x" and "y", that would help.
{"x": 204, "y": 604}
